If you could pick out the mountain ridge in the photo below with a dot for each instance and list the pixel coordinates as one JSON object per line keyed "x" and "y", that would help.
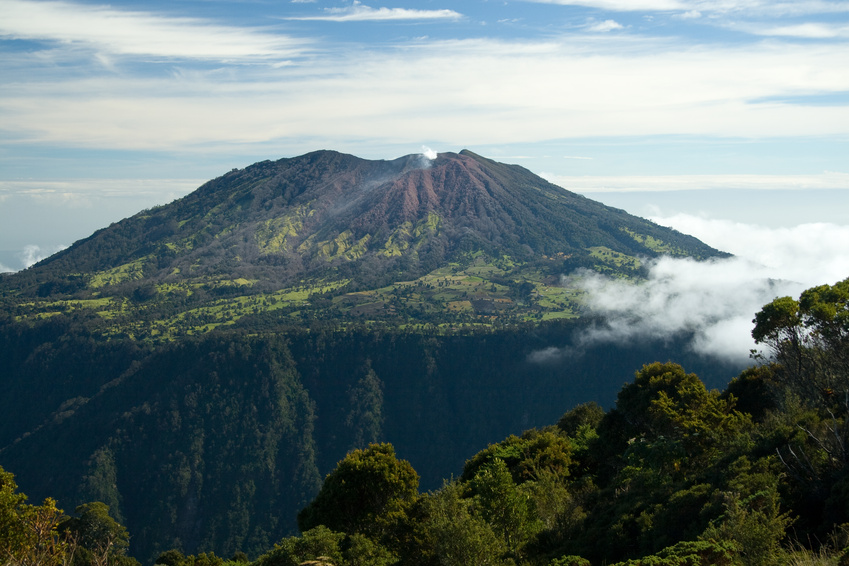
{"x": 337, "y": 237}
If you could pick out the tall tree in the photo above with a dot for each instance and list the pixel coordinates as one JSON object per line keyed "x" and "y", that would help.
{"x": 366, "y": 493}
{"x": 366, "y": 401}
{"x": 29, "y": 534}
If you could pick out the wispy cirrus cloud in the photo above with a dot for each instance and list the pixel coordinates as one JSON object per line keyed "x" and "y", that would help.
{"x": 82, "y": 191}
{"x": 122, "y": 32}
{"x": 358, "y": 12}
{"x": 622, "y": 5}
{"x": 754, "y": 7}
{"x": 808, "y": 30}
{"x": 468, "y": 92}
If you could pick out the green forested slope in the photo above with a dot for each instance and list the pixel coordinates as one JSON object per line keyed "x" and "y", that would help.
{"x": 674, "y": 474}
{"x": 215, "y": 443}
{"x": 671, "y": 474}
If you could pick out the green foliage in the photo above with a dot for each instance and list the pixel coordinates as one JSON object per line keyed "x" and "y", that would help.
{"x": 174, "y": 557}
{"x": 691, "y": 553}
{"x": 101, "y": 538}
{"x": 756, "y": 527}
{"x": 29, "y": 534}
{"x": 668, "y": 406}
{"x": 12, "y": 528}
{"x": 367, "y": 493}
{"x": 527, "y": 457}
{"x": 809, "y": 339}
{"x": 753, "y": 391}
{"x": 43, "y": 536}
{"x": 314, "y": 543}
{"x": 583, "y": 415}
{"x": 507, "y": 508}
{"x": 239, "y": 429}
{"x": 323, "y": 545}
{"x": 445, "y": 531}
{"x": 808, "y": 343}
{"x": 366, "y": 415}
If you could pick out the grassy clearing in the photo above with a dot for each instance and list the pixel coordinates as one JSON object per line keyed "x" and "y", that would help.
{"x": 476, "y": 290}
{"x": 654, "y": 244}
{"x": 613, "y": 257}
{"x": 132, "y": 271}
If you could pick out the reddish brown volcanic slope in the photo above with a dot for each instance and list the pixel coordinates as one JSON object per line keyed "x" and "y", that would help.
{"x": 285, "y": 220}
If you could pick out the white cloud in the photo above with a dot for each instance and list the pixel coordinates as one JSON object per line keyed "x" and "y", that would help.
{"x": 658, "y": 183}
{"x": 139, "y": 33}
{"x": 605, "y": 26}
{"x": 83, "y": 191}
{"x": 358, "y": 12}
{"x": 691, "y": 7}
{"x": 810, "y": 30}
{"x": 811, "y": 253}
{"x": 32, "y": 254}
{"x": 622, "y": 5}
{"x": 717, "y": 300}
{"x": 464, "y": 93}
{"x": 690, "y": 15}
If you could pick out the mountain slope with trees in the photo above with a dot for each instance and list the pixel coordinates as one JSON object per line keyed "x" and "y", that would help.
{"x": 330, "y": 236}
{"x": 673, "y": 474}
{"x": 200, "y": 366}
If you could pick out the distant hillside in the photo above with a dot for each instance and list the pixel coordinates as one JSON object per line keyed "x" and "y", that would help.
{"x": 330, "y": 236}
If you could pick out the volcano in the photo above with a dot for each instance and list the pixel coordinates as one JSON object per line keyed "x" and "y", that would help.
{"x": 332, "y": 235}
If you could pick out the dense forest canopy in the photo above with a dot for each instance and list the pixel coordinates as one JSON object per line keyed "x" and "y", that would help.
{"x": 673, "y": 473}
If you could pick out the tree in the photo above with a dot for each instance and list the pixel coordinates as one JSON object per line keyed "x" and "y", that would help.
{"x": 29, "y": 534}
{"x": 101, "y": 538}
{"x": 12, "y": 531}
{"x": 809, "y": 339}
{"x": 447, "y": 533}
{"x": 585, "y": 414}
{"x": 808, "y": 343}
{"x": 366, "y": 493}
{"x": 671, "y": 406}
{"x": 504, "y": 506}
{"x": 314, "y": 544}
{"x": 366, "y": 415}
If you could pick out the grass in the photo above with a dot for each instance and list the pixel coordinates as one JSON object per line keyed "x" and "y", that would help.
{"x": 477, "y": 291}
{"x": 654, "y": 244}
{"x": 127, "y": 272}
{"x": 615, "y": 258}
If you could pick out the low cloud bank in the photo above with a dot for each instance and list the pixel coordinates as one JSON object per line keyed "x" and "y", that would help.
{"x": 30, "y": 255}
{"x": 715, "y": 301}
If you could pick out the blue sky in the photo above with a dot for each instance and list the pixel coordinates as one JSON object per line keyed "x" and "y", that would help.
{"x": 726, "y": 119}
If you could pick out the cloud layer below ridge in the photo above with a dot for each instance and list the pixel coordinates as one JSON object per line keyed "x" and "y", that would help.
{"x": 716, "y": 300}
